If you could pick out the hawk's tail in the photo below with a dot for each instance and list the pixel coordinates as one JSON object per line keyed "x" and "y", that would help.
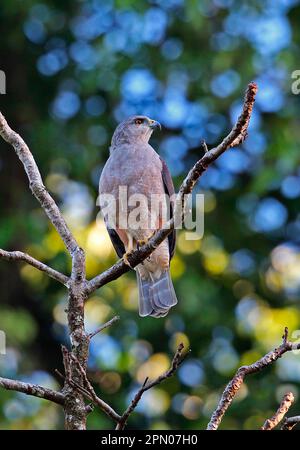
{"x": 156, "y": 297}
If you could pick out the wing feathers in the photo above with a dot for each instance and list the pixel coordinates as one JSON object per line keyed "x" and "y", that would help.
{"x": 170, "y": 191}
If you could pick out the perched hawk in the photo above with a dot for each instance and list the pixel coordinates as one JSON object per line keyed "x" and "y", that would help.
{"x": 134, "y": 166}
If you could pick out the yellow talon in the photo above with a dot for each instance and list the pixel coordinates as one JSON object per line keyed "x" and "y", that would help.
{"x": 125, "y": 259}
{"x": 142, "y": 242}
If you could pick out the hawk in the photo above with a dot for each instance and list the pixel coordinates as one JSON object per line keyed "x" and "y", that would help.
{"x": 135, "y": 167}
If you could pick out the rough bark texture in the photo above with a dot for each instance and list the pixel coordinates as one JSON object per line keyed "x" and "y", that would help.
{"x": 75, "y": 410}
{"x": 284, "y": 406}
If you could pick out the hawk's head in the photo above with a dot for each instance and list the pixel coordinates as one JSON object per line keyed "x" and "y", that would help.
{"x": 133, "y": 129}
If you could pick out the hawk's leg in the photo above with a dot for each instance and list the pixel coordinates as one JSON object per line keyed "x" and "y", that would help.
{"x": 129, "y": 249}
{"x": 142, "y": 242}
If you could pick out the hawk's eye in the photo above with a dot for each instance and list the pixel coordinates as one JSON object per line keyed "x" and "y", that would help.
{"x": 138, "y": 121}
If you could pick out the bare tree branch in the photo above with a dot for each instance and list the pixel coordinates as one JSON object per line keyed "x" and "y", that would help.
{"x": 177, "y": 360}
{"x": 105, "y": 325}
{"x": 290, "y": 422}
{"x": 20, "y": 256}
{"x": 36, "y": 184}
{"x": 235, "y": 384}
{"x": 33, "y": 389}
{"x": 235, "y": 137}
{"x": 87, "y": 390}
{"x": 284, "y": 406}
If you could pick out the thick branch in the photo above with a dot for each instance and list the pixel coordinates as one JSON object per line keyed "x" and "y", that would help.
{"x": 33, "y": 389}
{"x": 235, "y": 137}
{"x": 290, "y": 422}
{"x": 284, "y": 406}
{"x": 177, "y": 360}
{"x": 20, "y": 256}
{"x": 36, "y": 184}
{"x": 235, "y": 384}
{"x": 75, "y": 409}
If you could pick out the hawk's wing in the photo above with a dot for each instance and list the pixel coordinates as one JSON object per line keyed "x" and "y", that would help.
{"x": 116, "y": 241}
{"x": 169, "y": 190}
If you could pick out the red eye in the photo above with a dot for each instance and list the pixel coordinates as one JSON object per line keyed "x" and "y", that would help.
{"x": 138, "y": 121}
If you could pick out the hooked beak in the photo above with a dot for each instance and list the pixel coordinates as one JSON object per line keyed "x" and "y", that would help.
{"x": 154, "y": 125}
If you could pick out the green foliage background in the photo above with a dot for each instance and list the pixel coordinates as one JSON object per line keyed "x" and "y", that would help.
{"x": 73, "y": 70}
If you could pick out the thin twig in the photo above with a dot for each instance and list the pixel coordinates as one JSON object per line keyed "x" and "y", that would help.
{"x": 177, "y": 360}
{"x": 235, "y": 384}
{"x": 36, "y": 184}
{"x": 284, "y": 406}
{"x": 20, "y": 256}
{"x": 204, "y": 146}
{"x": 290, "y": 422}
{"x": 236, "y": 136}
{"x": 33, "y": 389}
{"x": 105, "y": 325}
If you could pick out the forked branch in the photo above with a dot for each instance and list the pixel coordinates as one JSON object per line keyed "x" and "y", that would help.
{"x": 177, "y": 360}
{"x": 235, "y": 384}
{"x": 87, "y": 390}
